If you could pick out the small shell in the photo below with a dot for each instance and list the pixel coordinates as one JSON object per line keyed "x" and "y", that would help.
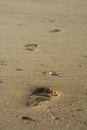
{"x": 54, "y": 93}
{"x": 53, "y": 73}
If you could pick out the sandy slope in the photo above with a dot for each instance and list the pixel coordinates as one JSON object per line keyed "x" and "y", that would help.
{"x": 36, "y": 37}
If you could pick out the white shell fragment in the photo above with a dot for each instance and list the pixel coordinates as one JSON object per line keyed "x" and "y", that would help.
{"x": 53, "y": 73}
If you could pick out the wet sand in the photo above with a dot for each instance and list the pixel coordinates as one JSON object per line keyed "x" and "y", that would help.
{"x": 43, "y": 65}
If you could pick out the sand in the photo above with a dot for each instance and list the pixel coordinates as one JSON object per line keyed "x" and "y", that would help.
{"x": 38, "y": 38}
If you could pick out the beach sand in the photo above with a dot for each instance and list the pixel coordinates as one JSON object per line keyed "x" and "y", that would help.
{"x": 43, "y": 50}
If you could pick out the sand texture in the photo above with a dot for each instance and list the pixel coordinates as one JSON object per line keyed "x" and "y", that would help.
{"x": 43, "y": 65}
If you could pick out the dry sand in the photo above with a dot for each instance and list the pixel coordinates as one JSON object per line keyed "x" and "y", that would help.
{"x": 36, "y": 37}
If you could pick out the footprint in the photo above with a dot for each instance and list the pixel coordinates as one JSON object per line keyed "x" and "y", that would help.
{"x": 55, "y": 30}
{"x": 52, "y": 20}
{"x": 31, "y": 47}
{"x": 84, "y": 56}
{"x": 40, "y": 95}
{"x": 2, "y": 62}
{"x": 1, "y": 81}
{"x": 19, "y": 69}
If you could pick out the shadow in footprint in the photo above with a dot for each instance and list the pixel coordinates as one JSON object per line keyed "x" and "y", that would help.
{"x": 43, "y": 91}
{"x": 40, "y": 95}
{"x": 28, "y": 118}
{"x": 31, "y": 47}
